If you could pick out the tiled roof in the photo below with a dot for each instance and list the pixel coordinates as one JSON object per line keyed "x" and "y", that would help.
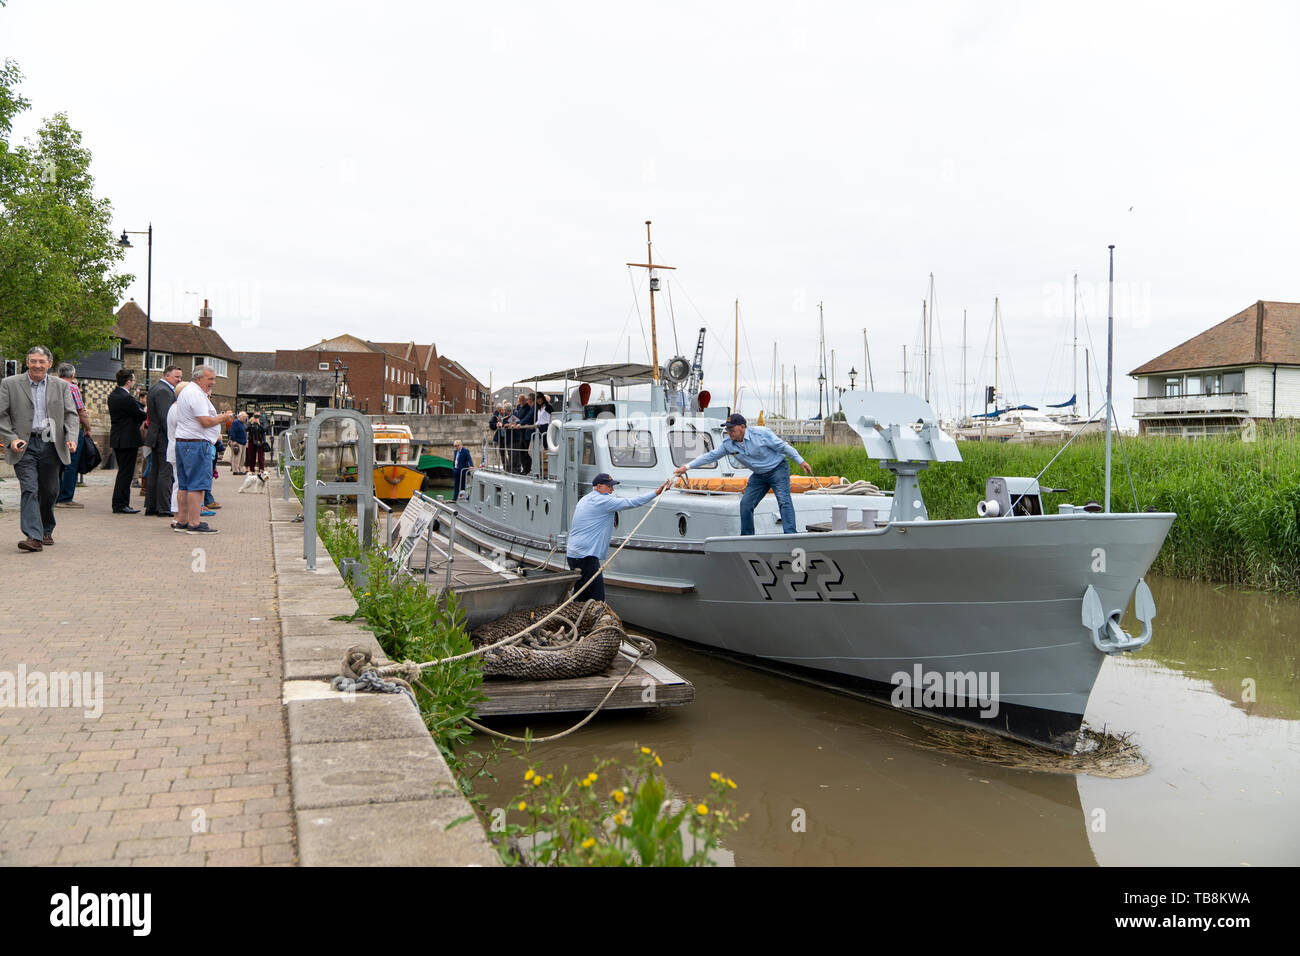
{"x": 1262, "y": 334}
{"x": 255, "y": 361}
{"x": 344, "y": 343}
{"x": 269, "y": 382}
{"x": 177, "y": 338}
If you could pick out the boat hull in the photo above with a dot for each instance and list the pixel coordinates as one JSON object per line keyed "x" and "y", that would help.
{"x": 892, "y": 613}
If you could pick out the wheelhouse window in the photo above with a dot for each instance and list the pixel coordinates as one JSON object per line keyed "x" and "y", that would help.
{"x": 632, "y": 448}
{"x": 686, "y": 445}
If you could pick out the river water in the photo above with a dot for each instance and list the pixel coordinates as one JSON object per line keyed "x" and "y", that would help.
{"x": 1213, "y": 702}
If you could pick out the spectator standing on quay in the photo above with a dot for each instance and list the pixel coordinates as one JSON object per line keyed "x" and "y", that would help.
{"x": 39, "y": 428}
{"x": 198, "y": 426}
{"x": 68, "y": 483}
{"x": 238, "y": 443}
{"x": 124, "y": 438}
{"x": 256, "y": 456}
{"x": 157, "y": 499}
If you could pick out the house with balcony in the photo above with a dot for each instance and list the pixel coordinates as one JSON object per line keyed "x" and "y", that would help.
{"x": 1246, "y": 367}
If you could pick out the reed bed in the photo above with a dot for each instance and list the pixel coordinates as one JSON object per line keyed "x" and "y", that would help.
{"x": 1238, "y": 503}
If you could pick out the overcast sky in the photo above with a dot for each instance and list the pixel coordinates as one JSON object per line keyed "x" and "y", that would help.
{"x": 479, "y": 176}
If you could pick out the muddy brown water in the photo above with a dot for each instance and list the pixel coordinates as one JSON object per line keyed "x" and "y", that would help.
{"x": 1213, "y": 702}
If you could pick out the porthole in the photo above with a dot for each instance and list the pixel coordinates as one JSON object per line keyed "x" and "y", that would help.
{"x": 546, "y": 506}
{"x": 681, "y": 525}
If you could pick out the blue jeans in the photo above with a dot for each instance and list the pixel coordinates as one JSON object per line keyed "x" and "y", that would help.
{"x": 68, "y": 483}
{"x": 778, "y": 481}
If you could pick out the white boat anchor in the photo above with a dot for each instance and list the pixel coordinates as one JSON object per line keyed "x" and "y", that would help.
{"x": 1116, "y": 641}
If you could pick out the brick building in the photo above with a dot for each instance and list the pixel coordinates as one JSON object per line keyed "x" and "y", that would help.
{"x": 388, "y": 377}
{"x": 180, "y": 343}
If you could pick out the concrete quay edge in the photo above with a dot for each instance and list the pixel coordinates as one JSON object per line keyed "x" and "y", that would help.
{"x": 369, "y": 785}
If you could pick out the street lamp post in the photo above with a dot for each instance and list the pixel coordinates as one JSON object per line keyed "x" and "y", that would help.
{"x": 821, "y": 382}
{"x": 125, "y": 243}
{"x": 853, "y": 374}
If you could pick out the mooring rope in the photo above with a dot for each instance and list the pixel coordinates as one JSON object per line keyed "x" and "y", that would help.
{"x": 412, "y": 670}
{"x": 645, "y": 648}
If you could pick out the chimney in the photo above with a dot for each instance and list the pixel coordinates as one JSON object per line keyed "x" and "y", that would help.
{"x": 205, "y": 316}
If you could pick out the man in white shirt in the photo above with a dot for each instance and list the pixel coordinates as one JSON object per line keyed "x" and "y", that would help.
{"x": 198, "y": 426}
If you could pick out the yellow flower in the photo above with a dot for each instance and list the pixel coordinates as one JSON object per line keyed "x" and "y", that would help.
{"x": 702, "y": 810}
{"x": 537, "y": 781}
{"x": 522, "y": 805}
{"x": 592, "y": 775}
{"x": 588, "y": 843}
{"x": 645, "y": 750}
{"x": 619, "y": 796}
{"x": 715, "y": 776}
{"x": 584, "y": 783}
{"x": 658, "y": 762}
{"x": 618, "y": 818}
{"x": 548, "y": 776}
{"x": 529, "y": 775}
{"x": 731, "y": 783}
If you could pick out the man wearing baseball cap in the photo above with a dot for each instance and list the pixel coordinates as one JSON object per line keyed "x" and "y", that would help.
{"x": 764, "y": 453}
{"x": 591, "y": 528}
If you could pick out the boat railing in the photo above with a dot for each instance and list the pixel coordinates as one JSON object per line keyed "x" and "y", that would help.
{"x": 388, "y": 512}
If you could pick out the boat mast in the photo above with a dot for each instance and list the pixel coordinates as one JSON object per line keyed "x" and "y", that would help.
{"x": 1087, "y": 379}
{"x": 929, "y": 339}
{"x": 995, "y": 353}
{"x": 1110, "y": 364}
{"x": 925, "y": 354}
{"x": 821, "y": 358}
{"x": 735, "y": 363}
{"x": 904, "y": 368}
{"x": 964, "y": 383}
{"x": 795, "y": 369}
{"x": 866, "y": 354}
{"x": 1074, "y": 365}
{"x": 651, "y": 265}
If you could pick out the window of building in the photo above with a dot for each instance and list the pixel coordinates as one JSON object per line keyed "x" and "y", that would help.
{"x": 686, "y": 445}
{"x": 632, "y": 448}
{"x": 218, "y": 364}
{"x": 1173, "y": 386}
{"x": 1234, "y": 382}
{"x": 116, "y": 352}
{"x": 159, "y": 361}
{"x": 11, "y": 367}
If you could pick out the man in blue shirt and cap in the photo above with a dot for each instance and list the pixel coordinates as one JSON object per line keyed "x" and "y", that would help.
{"x": 764, "y": 453}
{"x": 591, "y": 528}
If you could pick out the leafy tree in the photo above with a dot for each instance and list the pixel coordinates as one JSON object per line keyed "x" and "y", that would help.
{"x": 57, "y": 248}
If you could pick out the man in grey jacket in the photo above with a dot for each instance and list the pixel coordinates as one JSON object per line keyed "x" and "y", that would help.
{"x": 39, "y": 429}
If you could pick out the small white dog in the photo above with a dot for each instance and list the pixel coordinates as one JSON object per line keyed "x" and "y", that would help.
{"x": 255, "y": 483}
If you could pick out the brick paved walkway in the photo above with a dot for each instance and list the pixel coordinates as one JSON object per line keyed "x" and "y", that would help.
{"x": 187, "y": 765}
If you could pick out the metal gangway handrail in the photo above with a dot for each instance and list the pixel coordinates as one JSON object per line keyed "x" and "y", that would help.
{"x": 363, "y": 489}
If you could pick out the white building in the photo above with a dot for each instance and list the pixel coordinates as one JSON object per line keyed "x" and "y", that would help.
{"x": 1246, "y": 367}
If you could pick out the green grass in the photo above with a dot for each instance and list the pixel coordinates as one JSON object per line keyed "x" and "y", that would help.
{"x": 1238, "y": 504}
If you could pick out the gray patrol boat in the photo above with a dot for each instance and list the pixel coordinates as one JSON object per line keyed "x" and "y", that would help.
{"x": 999, "y": 621}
